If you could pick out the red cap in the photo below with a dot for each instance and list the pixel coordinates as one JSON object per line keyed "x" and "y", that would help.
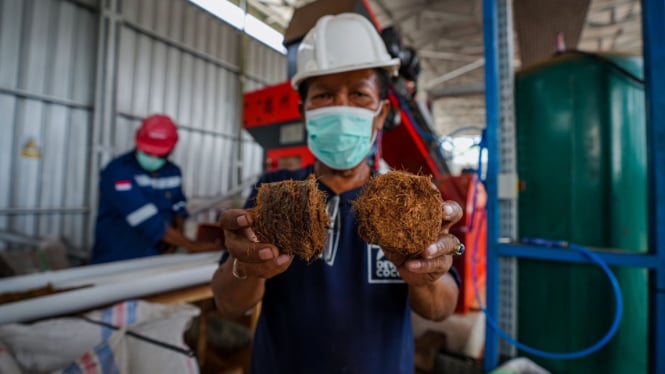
{"x": 157, "y": 135}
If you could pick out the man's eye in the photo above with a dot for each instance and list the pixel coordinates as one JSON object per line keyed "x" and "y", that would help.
{"x": 321, "y": 96}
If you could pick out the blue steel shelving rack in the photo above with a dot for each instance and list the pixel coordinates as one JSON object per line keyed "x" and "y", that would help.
{"x": 653, "y": 30}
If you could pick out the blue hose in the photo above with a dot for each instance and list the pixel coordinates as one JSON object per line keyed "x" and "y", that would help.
{"x": 568, "y": 355}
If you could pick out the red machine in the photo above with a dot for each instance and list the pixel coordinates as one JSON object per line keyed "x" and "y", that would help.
{"x": 272, "y": 116}
{"x": 472, "y": 231}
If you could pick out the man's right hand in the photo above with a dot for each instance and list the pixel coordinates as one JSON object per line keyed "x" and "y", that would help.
{"x": 254, "y": 259}
{"x": 198, "y": 246}
{"x": 177, "y": 239}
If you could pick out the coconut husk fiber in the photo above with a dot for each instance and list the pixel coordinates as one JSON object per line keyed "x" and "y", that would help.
{"x": 400, "y": 212}
{"x": 292, "y": 216}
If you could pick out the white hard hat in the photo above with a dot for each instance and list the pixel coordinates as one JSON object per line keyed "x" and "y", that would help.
{"x": 344, "y": 42}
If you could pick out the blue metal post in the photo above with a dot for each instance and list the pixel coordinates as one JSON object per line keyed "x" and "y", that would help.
{"x": 490, "y": 40}
{"x": 653, "y": 29}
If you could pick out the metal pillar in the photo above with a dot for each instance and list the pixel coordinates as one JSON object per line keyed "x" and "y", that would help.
{"x": 236, "y": 176}
{"x": 490, "y": 40}
{"x": 507, "y": 178}
{"x": 103, "y": 115}
{"x": 653, "y": 29}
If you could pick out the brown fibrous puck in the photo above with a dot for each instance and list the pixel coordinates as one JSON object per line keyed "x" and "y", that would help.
{"x": 292, "y": 215}
{"x": 399, "y": 211}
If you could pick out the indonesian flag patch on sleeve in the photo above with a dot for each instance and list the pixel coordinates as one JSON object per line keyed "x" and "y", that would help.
{"x": 123, "y": 185}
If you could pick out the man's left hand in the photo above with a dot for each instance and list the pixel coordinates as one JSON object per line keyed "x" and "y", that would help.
{"x": 436, "y": 260}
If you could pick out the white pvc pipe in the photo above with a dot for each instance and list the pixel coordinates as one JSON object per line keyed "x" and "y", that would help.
{"x": 82, "y": 274}
{"x": 119, "y": 277}
{"x": 104, "y": 294}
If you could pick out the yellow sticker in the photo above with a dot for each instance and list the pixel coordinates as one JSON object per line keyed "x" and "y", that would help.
{"x": 31, "y": 149}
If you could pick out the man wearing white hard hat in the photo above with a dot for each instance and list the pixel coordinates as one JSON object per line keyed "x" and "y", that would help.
{"x": 350, "y": 310}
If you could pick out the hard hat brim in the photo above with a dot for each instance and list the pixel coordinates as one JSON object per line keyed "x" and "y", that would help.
{"x": 391, "y": 66}
{"x": 155, "y": 150}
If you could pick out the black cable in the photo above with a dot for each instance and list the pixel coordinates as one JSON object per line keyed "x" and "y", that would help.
{"x": 606, "y": 61}
{"x": 186, "y": 352}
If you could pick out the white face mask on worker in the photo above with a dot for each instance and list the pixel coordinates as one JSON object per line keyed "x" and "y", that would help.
{"x": 340, "y": 136}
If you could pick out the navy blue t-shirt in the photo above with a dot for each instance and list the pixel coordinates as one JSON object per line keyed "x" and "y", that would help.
{"x": 347, "y": 312}
{"x": 135, "y": 207}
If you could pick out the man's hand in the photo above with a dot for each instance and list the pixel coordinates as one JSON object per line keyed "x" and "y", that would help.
{"x": 436, "y": 260}
{"x": 198, "y": 246}
{"x": 253, "y": 259}
{"x": 176, "y": 239}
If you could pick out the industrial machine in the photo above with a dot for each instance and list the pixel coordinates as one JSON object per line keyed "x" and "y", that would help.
{"x": 271, "y": 115}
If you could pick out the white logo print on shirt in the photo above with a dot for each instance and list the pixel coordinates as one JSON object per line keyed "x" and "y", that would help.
{"x": 380, "y": 269}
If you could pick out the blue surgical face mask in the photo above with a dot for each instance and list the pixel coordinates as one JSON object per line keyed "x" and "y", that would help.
{"x": 340, "y": 136}
{"x": 148, "y": 162}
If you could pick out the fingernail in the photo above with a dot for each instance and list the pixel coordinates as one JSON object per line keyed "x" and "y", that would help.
{"x": 414, "y": 265}
{"x": 265, "y": 254}
{"x": 282, "y": 259}
{"x": 448, "y": 209}
{"x": 431, "y": 250}
{"x": 242, "y": 221}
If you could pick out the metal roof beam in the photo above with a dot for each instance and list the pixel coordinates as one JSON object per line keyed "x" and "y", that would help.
{"x": 448, "y": 56}
{"x": 456, "y": 73}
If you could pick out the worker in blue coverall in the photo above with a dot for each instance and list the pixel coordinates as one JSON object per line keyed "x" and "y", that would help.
{"x": 142, "y": 208}
{"x": 350, "y": 310}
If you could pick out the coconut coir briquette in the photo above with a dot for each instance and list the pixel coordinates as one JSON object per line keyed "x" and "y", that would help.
{"x": 399, "y": 211}
{"x": 292, "y": 216}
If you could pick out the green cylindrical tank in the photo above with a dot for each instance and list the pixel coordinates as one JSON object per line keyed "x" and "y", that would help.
{"x": 581, "y": 149}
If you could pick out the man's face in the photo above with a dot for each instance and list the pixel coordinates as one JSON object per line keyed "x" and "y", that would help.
{"x": 359, "y": 88}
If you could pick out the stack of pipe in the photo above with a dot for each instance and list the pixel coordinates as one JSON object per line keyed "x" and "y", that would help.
{"x": 97, "y": 285}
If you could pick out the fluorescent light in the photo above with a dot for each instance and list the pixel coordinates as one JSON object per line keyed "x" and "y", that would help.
{"x": 223, "y": 9}
{"x": 264, "y": 33}
{"x": 234, "y": 16}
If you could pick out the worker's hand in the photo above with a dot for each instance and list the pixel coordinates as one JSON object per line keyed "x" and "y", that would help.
{"x": 254, "y": 259}
{"x": 435, "y": 260}
{"x": 199, "y": 246}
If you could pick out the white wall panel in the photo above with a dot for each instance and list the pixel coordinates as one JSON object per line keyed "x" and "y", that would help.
{"x": 166, "y": 56}
{"x": 11, "y": 13}
{"x": 197, "y": 79}
{"x": 141, "y": 82}
{"x": 63, "y": 58}
{"x": 156, "y": 102}
{"x": 78, "y": 154}
{"x": 264, "y": 64}
{"x": 8, "y": 149}
{"x": 176, "y": 13}
{"x": 53, "y": 168}
{"x": 124, "y": 85}
{"x": 130, "y": 10}
{"x": 26, "y": 183}
{"x": 124, "y": 133}
{"x": 172, "y": 82}
{"x": 84, "y": 50}
{"x": 36, "y": 47}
